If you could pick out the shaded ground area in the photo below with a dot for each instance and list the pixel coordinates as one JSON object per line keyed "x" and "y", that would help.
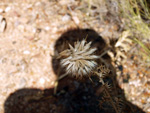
{"x": 78, "y": 100}
{"x": 73, "y": 96}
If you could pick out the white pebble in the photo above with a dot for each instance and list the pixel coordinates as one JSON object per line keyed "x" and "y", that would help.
{"x": 32, "y": 60}
{"x": 1, "y": 10}
{"x": 42, "y": 80}
{"x": 34, "y": 30}
{"x": 7, "y": 9}
{"x": 26, "y": 52}
{"x": 22, "y": 82}
{"x": 47, "y": 28}
{"x": 76, "y": 19}
{"x": 66, "y": 17}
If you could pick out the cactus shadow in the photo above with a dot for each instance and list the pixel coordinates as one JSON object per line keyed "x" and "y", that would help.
{"x": 73, "y": 95}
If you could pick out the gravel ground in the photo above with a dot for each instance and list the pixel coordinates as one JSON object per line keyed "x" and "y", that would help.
{"x": 32, "y": 33}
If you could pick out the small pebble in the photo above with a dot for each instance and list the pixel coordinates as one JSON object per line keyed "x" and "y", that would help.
{"x": 1, "y": 10}
{"x": 42, "y": 80}
{"x": 66, "y": 18}
{"x": 76, "y": 20}
{"x": 26, "y": 52}
{"x": 7, "y": 9}
{"x": 47, "y": 28}
{"x": 22, "y": 82}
